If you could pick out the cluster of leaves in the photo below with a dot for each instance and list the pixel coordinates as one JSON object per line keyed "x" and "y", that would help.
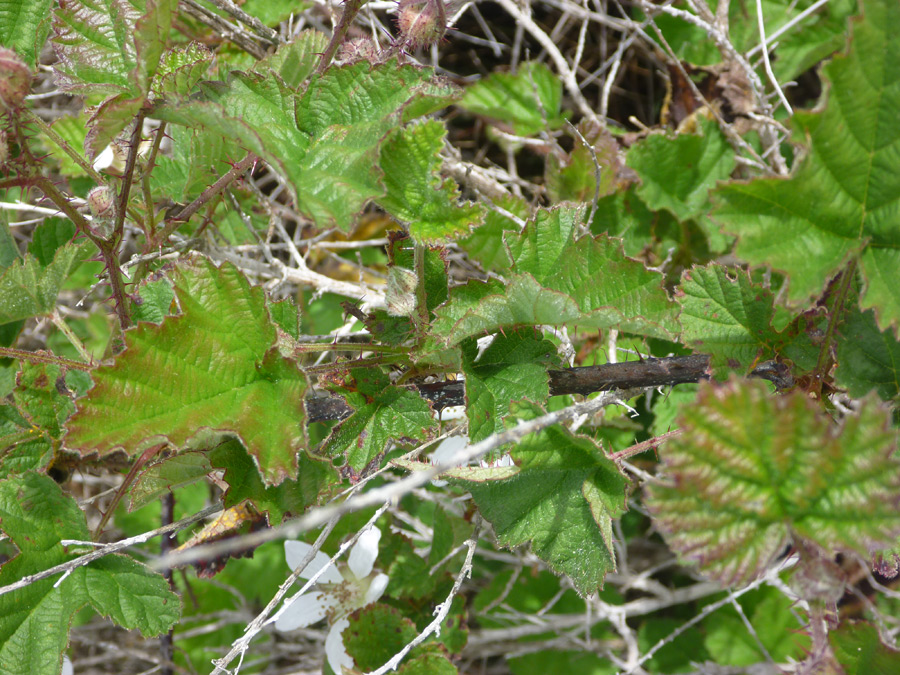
{"x": 205, "y": 374}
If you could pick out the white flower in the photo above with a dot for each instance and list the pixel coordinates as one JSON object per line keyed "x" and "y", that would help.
{"x": 337, "y": 594}
{"x": 67, "y": 668}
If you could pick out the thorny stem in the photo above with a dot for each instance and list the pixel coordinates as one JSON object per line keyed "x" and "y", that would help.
{"x": 39, "y": 357}
{"x": 338, "y": 366}
{"x": 73, "y": 154}
{"x": 644, "y": 446}
{"x": 139, "y": 464}
{"x": 351, "y": 9}
{"x": 150, "y": 224}
{"x": 185, "y": 214}
{"x": 304, "y": 348}
{"x": 58, "y": 321}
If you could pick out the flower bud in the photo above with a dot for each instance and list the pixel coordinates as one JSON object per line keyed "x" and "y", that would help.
{"x": 100, "y": 202}
{"x": 359, "y": 49}
{"x": 15, "y": 80}
{"x": 419, "y": 22}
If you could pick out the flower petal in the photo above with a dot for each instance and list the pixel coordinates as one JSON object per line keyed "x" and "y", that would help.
{"x": 364, "y": 551}
{"x": 305, "y": 611}
{"x": 338, "y": 658}
{"x": 67, "y": 668}
{"x": 447, "y": 448}
{"x": 295, "y": 552}
{"x": 376, "y": 588}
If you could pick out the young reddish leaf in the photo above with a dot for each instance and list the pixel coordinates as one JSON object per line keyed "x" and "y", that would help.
{"x": 842, "y": 201}
{"x": 111, "y": 48}
{"x": 753, "y": 471}
{"x": 213, "y": 369}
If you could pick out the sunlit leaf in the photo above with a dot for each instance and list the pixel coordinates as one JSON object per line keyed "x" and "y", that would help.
{"x": 35, "y": 620}
{"x": 214, "y": 369}
{"x": 842, "y": 201}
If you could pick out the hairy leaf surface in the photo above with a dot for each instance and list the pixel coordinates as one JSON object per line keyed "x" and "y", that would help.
{"x": 751, "y": 472}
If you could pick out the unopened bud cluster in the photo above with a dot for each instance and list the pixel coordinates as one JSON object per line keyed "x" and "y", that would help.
{"x": 15, "y": 80}
{"x": 419, "y": 22}
{"x": 100, "y": 202}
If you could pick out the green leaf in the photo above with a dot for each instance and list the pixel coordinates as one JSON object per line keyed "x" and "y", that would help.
{"x": 287, "y": 499}
{"x": 729, "y": 317}
{"x": 775, "y": 624}
{"x": 73, "y": 130}
{"x": 752, "y": 471}
{"x": 24, "y": 27}
{"x": 416, "y": 193}
{"x": 153, "y": 301}
{"x": 31, "y": 436}
{"x": 842, "y": 201}
{"x": 213, "y": 369}
{"x": 29, "y": 289}
{"x": 558, "y": 279}
{"x": 573, "y": 177}
{"x": 284, "y": 314}
{"x": 199, "y": 157}
{"x": 375, "y": 634}
{"x": 485, "y": 245}
{"x": 34, "y": 620}
{"x": 48, "y": 237}
{"x": 678, "y": 172}
{"x": 560, "y": 496}
{"x": 295, "y": 62}
{"x": 180, "y": 69}
{"x": 326, "y": 150}
{"x": 22, "y": 445}
{"x": 166, "y": 476}
{"x": 867, "y": 358}
{"x": 512, "y": 368}
{"x": 382, "y": 413}
{"x": 818, "y": 35}
{"x": 528, "y": 101}
{"x": 859, "y": 650}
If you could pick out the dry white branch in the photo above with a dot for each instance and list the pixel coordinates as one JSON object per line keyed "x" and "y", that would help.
{"x": 384, "y": 494}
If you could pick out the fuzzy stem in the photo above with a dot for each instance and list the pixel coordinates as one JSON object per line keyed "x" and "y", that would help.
{"x": 421, "y": 296}
{"x": 185, "y": 214}
{"x": 63, "y": 145}
{"x": 58, "y": 321}
{"x": 35, "y": 357}
{"x": 351, "y": 8}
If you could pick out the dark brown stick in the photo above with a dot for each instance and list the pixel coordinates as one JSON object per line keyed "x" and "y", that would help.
{"x": 582, "y": 380}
